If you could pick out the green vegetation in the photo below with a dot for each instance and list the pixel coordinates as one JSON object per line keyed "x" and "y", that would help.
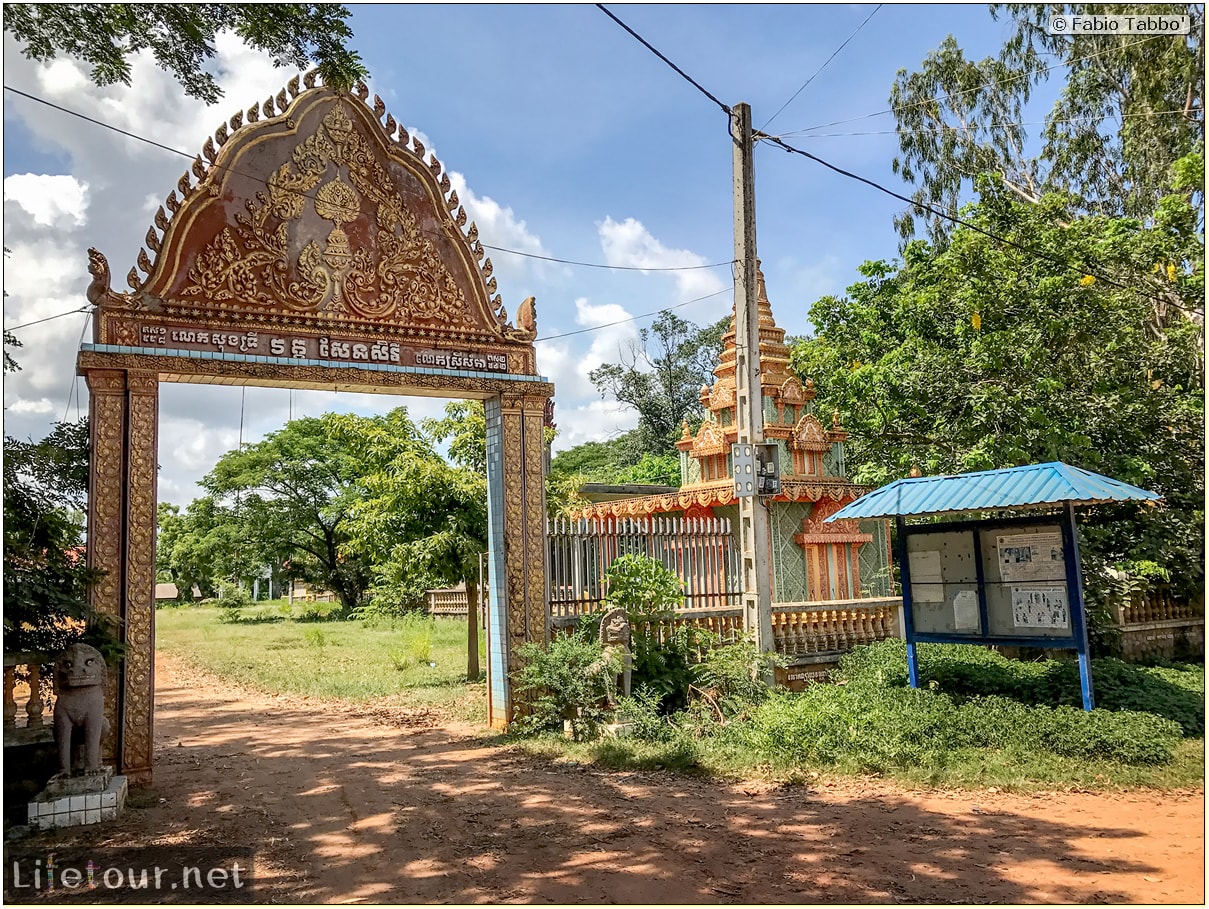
{"x": 1125, "y": 113}
{"x": 413, "y": 661}
{"x": 181, "y": 38}
{"x": 979, "y": 356}
{"x": 361, "y": 506}
{"x": 979, "y": 720}
{"x": 1065, "y": 319}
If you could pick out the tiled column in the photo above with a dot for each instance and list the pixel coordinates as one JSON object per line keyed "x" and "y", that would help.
{"x": 499, "y": 703}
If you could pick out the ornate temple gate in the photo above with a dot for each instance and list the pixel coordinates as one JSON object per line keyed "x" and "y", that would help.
{"x": 314, "y": 246}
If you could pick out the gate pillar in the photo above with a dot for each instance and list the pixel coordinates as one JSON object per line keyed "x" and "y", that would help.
{"x": 123, "y": 412}
{"x": 516, "y": 515}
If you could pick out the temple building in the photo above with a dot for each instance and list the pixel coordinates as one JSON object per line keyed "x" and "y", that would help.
{"x": 814, "y": 564}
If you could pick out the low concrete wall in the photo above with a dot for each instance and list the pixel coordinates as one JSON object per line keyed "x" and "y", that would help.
{"x": 1173, "y": 639}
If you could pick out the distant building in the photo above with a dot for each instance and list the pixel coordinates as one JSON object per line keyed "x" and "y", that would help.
{"x": 165, "y": 592}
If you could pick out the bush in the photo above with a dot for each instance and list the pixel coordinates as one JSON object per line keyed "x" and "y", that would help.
{"x": 732, "y": 677}
{"x": 560, "y": 682}
{"x": 966, "y": 671}
{"x": 867, "y": 728}
{"x": 663, "y": 655}
{"x": 232, "y": 600}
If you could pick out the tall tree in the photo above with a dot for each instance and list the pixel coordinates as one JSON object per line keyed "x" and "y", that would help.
{"x": 293, "y": 493}
{"x": 1130, "y": 107}
{"x": 661, "y": 375}
{"x": 465, "y": 426}
{"x": 421, "y": 523}
{"x": 181, "y": 37}
{"x": 982, "y": 356}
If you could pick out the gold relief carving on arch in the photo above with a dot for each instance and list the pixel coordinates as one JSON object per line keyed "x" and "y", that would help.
{"x": 394, "y": 271}
{"x": 140, "y": 571}
{"x": 535, "y": 516}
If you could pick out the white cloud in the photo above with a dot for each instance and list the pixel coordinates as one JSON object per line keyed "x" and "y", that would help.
{"x": 57, "y": 200}
{"x": 499, "y": 226}
{"x": 41, "y": 406}
{"x": 567, "y": 365}
{"x": 630, "y": 244}
{"x": 594, "y": 421}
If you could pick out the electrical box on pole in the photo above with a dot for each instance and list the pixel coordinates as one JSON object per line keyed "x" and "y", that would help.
{"x": 756, "y": 469}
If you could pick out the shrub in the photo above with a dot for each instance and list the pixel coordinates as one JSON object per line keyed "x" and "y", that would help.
{"x": 966, "y": 671}
{"x": 867, "y": 728}
{"x": 232, "y": 600}
{"x": 642, "y": 710}
{"x": 732, "y": 677}
{"x": 663, "y": 655}
{"x": 559, "y": 683}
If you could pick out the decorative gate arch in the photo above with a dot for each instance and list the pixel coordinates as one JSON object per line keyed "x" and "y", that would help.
{"x": 312, "y": 245}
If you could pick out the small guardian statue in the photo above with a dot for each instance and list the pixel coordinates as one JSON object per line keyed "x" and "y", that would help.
{"x": 615, "y": 638}
{"x": 79, "y": 680}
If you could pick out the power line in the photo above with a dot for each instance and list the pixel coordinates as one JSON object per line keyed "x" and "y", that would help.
{"x": 967, "y": 91}
{"x": 947, "y": 128}
{"x": 1082, "y": 269}
{"x": 74, "y": 387}
{"x": 644, "y": 315}
{"x": 693, "y": 82}
{"x": 605, "y": 265}
{"x": 47, "y": 319}
{"x": 183, "y": 154}
{"x": 823, "y": 67}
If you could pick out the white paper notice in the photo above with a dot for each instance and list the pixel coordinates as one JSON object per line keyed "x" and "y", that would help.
{"x": 1031, "y": 557}
{"x": 926, "y": 577}
{"x": 965, "y": 611}
{"x": 1040, "y": 607}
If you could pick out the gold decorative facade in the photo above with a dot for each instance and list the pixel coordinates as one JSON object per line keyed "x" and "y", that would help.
{"x": 312, "y": 244}
{"x": 811, "y": 458}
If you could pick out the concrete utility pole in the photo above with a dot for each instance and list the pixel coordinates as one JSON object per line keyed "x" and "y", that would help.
{"x": 749, "y": 400}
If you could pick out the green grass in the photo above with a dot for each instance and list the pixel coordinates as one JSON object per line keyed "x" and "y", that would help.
{"x": 410, "y": 662}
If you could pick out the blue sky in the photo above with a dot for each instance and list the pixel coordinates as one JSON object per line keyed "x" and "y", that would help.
{"x": 567, "y": 139}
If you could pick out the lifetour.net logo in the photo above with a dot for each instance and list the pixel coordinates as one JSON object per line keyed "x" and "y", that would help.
{"x": 170, "y": 874}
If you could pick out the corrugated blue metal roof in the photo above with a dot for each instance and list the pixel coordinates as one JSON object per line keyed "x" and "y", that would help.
{"x": 986, "y": 490}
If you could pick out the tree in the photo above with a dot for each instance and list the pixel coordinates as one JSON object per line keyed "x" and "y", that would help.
{"x": 292, "y": 494}
{"x": 181, "y": 37}
{"x": 661, "y": 376}
{"x": 205, "y": 546}
{"x": 421, "y": 523}
{"x": 465, "y": 425}
{"x": 1131, "y": 106}
{"x": 981, "y": 356}
{"x": 46, "y": 579}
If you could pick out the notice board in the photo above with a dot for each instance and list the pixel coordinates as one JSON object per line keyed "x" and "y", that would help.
{"x": 990, "y": 581}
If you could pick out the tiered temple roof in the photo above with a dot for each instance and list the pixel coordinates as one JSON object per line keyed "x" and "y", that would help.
{"x": 812, "y": 463}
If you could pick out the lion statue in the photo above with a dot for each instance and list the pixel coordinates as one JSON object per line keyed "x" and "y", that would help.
{"x": 79, "y": 680}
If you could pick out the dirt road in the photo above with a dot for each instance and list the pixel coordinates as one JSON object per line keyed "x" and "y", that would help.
{"x": 346, "y": 808}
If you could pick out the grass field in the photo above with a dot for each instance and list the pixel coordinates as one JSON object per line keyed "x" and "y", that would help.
{"x": 413, "y": 661}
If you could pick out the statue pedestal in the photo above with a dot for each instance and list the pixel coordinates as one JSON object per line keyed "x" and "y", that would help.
{"x": 60, "y": 785}
{"x": 77, "y": 800}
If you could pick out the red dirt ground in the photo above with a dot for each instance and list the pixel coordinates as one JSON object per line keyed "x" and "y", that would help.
{"x": 369, "y": 807}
